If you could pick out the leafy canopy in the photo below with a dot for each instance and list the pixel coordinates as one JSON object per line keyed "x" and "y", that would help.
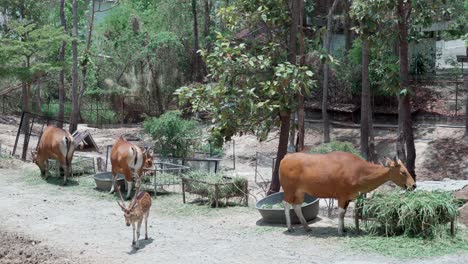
{"x": 252, "y": 81}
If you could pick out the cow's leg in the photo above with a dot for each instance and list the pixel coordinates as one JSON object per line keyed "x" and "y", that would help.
{"x": 114, "y": 175}
{"x": 342, "y": 206}
{"x": 65, "y": 171}
{"x": 287, "y": 208}
{"x": 129, "y": 189}
{"x": 298, "y": 210}
{"x": 128, "y": 178}
{"x": 45, "y": 172}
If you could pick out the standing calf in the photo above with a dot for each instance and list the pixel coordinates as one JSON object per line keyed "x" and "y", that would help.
{"x": 135, "y": 212}
{"x": 57, "y": 144}
{"x": 337, "y": 175}
{"x": 128, "y": 159}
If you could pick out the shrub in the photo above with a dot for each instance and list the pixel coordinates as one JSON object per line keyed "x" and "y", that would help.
{"x": 173, "y": 136}
{"x": 335, "y": 146}
{"x": 418, "y": 213}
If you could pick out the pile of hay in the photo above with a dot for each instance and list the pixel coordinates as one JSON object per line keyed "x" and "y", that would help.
{"x": 203, "y": 183}
{"x": 418, "y": 213}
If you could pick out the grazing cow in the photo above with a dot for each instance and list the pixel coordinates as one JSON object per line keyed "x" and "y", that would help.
{"x": 137, "y": 210}
{"x": 128, "y": 159}
{"x": 57, "y": 144}
{"x": 338, "y": 175}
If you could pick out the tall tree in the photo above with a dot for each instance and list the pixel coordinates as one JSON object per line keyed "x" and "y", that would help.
{"x": 75, "y": 89}
{"x": 347, "y": 24}
{"x": 197, "y": 74}
{"x": 255, "y": 86}
{"x": 365, "y": 99}
{"x": 61, "y": 90}
{"x": 300, "y": 104}
{"x": 405, "y": 144}
{"x": 326, "y": 122}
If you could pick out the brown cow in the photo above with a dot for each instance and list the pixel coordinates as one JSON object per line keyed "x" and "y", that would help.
{"x": 128, "y": 159}
{"x": 339, "y": 175}
{"x": 57, "y": 144}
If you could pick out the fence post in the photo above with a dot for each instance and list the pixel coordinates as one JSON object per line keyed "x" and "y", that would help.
{"x": 18, "y": 134}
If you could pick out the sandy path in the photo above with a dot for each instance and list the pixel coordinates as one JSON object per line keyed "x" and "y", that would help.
{"x": 92, "y": 230}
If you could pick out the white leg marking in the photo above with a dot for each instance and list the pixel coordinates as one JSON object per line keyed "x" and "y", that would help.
{"x": 287, "y": 207}
{"x": 298, "y": 210}
{"x": 341, "y": 214}
{"x": 113, "y": 184}
{"x": 129, "y": 188}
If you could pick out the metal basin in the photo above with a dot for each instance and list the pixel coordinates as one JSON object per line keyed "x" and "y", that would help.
{"x": 104, "y": 181}
{"x": 310, "y": 209}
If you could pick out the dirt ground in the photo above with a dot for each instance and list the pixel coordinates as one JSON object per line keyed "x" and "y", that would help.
{"x": 66, "y": 225}
{"x": 77, "y": 224}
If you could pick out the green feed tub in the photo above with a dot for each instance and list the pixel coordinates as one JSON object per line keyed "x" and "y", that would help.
{"x": 310, "y": 209}
{"x": 104, "y": 181}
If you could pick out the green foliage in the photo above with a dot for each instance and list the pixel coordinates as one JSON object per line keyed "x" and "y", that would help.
{"x": 52, "y": 109}
{"x": 418, "y": 213}
{"x": 253, "y": 84}
{"x": 325, "y": 148}
{"x": 27, "y": 49}
{"x": 103, "y": 116}
{"x": 173, "y": 136}
{"x": 383, "y": 70}
{"x": 203, "y": 184}
{"x": 212, "y": 149}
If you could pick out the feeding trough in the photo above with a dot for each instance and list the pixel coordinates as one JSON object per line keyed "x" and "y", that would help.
{"x": 104, "y": 181}
{"x": 272, "y": 213}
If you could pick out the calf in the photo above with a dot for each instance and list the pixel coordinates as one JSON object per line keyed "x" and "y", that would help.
{"x": 137, "y": 210}
{"x": 128, "y": 159}
{"x": 57, "y": 144}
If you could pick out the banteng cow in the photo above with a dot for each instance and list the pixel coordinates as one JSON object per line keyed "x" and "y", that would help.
{"x": 339, "y": 175}
{"x": 57, "y": 144}
{"x": 128, "y": 159}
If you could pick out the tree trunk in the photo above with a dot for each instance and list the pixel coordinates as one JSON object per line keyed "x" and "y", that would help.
{"x": 372, "y": 153}
{"x": 300, "y": 104}
{"x": 75, "y": 92}
{"x": 347, "y": 25}
{"x": 292, "y": 51}
{"x": 365, "y": 100}
{"x": 206, "y": 31}
{"x": 465, "y": 84}
{"x": 282, "y": 150}
{"x": 61, "y": 91}
{"x": 26, "y": 89}
{"x": 326, "y": 123}
{"x": 405, "y": 126}
{"x": 156, "y": 89}
{"x": 196, "y": 64}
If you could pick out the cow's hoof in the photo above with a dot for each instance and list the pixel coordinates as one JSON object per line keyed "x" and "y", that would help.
{"x": 307, "y": 229}
{"x": 133, "y": 243}
{"x": 146, "y": 237}
{"x": 291, "y": 230}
